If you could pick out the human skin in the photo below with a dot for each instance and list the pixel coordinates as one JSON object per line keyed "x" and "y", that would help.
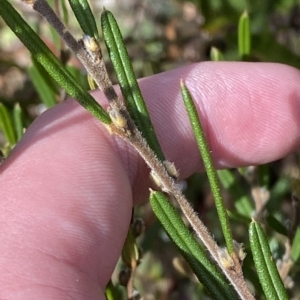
{"x": 68, "y": 187}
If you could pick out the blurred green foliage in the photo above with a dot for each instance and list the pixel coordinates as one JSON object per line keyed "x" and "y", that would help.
{"x": 162, "y": 35}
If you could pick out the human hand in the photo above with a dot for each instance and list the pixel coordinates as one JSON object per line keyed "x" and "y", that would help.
{"x": 67, "y": 189}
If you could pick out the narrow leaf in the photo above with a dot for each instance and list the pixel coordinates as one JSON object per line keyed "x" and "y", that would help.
{"x": 79, "y": 76}
{"x": 18, "y": 121}
{"x": 42, "y": 84}
{"x": 216, "y": 54}
{"x": 65, "y": 12}
{"x": 112, "y": 292}
{"x": 127, "y": 80}
{"x": 85, "y": 17}
{"x": 130, "y": 251}
{"x": 264, "y": 174}
{"x": 208, "y": 274}
{"x": 50, "y": 62}
{"x": 276, "y": 224}
{"x": 295, "y": 251}
{"x": 279, "y": 190}
{"x": 55, "y": 36}
{"x": 244, "y": 36}
{"x": 265, "y": 265}
{"x": 238, "y": 217}
{"x": 242, "y": 202}
{"x": 208, "y": 163}
{"x": 56, "y": 41}
{"x": 6, "y": 124}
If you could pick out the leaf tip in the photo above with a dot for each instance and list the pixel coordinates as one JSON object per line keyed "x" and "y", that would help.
{"x": 245, "y": 14}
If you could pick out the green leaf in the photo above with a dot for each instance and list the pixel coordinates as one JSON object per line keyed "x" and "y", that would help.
{"x": 85, "y": 17}
{"x": 42, "y": 82}
{"x": 244, "y": 36}
{"x": 279, "y": 190}
{"x": 264, "y": 174}
{"x": 208, "y": 274}
{"x": 65, "y": 12}
{"x": 265, "y": 265}
{"x": 216, "y": 54}
{"x": 127, "y": 80}
{"x": 113, "y": 292}
{"x": 276, "y": 224}
{"x": 130, "y": 251}
{"x": 65, "y": 15}
{"x": 6, "y": 124}
{"x": 55, "y": 36}
{"x": 238, "y": 217}
{"x": 242, "y": 202}
{"x": 295, "y": 251}
{"x": 18, "y": 122}
{"x": 79, "y": 76}
{"x": 48, "y": 60}
{"x": 208, "y": 163}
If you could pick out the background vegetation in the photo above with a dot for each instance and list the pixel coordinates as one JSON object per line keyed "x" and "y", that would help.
{"x": 161, "y": 35}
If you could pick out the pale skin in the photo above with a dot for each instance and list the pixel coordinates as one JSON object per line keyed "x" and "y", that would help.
{"x": 67, "y": 190}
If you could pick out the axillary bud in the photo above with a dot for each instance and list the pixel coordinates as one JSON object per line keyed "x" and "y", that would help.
{"x": 118, "y": 119}
{"x": 171, "y": 169}
{"x": 90, "y": 43}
